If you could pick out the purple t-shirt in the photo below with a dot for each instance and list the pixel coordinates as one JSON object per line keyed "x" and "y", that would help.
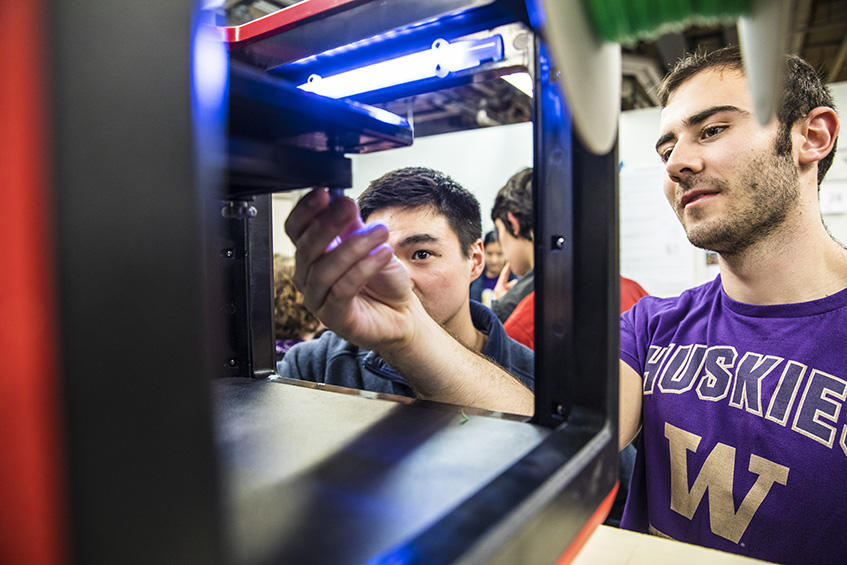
{"x": 744, "y": 439}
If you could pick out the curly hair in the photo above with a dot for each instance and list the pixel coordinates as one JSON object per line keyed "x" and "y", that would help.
{"x": 291, "y": 317}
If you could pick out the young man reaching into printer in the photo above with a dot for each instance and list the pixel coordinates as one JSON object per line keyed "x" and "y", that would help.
{"x": 435, "y": 229}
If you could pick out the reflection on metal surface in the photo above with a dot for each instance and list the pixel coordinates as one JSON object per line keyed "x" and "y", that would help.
{"x": 317, "y": 477}
{"x": 521, "y": 81}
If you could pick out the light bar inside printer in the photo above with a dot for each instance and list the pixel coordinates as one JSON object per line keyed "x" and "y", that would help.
{"x": 439, "y": 61}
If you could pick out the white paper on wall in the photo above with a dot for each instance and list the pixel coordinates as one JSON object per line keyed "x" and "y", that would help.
{"x": 833, "y": 196}
{"x": 654, "y": 250}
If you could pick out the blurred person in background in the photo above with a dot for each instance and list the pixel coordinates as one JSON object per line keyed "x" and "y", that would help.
{"x": 293, "y": 322}
{"x": 482, "y": 288}
{"x": 512, "y": 216}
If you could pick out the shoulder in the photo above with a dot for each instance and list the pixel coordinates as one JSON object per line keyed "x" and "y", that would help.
{"x": 486, "y": 320}
{"x": 309, "y": 360}
{"x": 515, "y": 357}
{"x": 654, "y": 320}
{"x": 483, "y": 318}
{"x": 521, "y": 361}
{"x": 329, "y": 342}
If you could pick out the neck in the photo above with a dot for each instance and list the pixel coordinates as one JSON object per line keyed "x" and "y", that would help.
{"x": 479, "y": 341}
{"x": 462, "y": 328}
{"x": 793, "y": 265}
{"x": 473, "y": 339}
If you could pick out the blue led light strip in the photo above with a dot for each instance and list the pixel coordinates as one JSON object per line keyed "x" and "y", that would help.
{"x": 439, "y": 61}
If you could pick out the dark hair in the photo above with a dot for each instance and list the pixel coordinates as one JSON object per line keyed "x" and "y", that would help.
{"x": 516, "y": 197}
{"x": 802, "y": 91}
{"x": 490, "y": 237}
{"x": 416, "y": 187}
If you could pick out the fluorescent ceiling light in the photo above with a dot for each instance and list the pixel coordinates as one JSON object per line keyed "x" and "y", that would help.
{"x": 521, "y": 81}
{"x": 439, "y": 61}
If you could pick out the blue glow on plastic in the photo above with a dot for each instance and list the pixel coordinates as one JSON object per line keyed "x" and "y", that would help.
{"x": 402, "y": 555}
{"x": 209, "y": 69}
{"x": 439, "y": 61}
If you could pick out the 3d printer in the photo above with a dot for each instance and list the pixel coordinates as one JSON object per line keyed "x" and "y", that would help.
{"x": 494, "y": 494}
{"x": 137, "y": 175}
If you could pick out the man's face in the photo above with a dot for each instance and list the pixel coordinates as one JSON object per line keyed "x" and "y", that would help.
{"x": 724, "y": 180}
{"x": 514, "y": 250}
{"x": 441, "y": 274}
{"x": 494, "y": 259}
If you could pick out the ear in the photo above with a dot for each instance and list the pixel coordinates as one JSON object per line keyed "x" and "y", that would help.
{"x": 819, "y": 131}
{"x": 477, "y": 258}
{"x": 516, "y": 225}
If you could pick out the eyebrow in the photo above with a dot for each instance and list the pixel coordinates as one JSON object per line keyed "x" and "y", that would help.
{"x": 417, "y": 238}
{"x": 699, "y": 118}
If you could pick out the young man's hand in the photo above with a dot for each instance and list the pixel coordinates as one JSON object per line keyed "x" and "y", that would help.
{"x": 357, "y": 287}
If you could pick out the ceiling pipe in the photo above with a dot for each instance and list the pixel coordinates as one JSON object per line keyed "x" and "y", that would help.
{"x": 645, "y": 71}
{"x": 838, "y": 62}
{"x": 802, "y": 16}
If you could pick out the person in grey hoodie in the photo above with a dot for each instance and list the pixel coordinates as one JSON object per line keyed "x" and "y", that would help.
{"x": 435, "y": 231}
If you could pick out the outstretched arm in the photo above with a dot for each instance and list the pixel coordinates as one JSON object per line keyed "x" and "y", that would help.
{"x": 361, "y": 291}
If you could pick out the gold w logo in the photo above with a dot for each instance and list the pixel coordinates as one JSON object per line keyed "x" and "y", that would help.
{"x": 717, "y": 475}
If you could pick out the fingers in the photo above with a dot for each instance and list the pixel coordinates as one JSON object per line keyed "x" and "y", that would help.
{"x": 313, "y": 225}
{"x": 360, "y": 274}
{"x": 357, "y": 274}
{"x": 315, "y": 212}
{"x": 345, "y": 269}
{"x": 503, "y": 284}
{"x": 304, "y": 212}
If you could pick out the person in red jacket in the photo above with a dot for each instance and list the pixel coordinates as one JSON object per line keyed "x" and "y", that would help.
{"x": 520, "y": 325}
